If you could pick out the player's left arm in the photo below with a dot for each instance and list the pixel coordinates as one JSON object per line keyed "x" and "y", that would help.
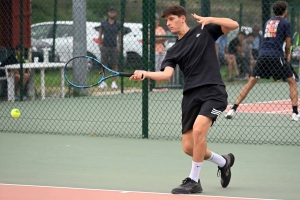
{"x": 225, "y": 23}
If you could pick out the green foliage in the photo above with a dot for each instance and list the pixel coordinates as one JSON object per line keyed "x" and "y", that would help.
{"x": 96, "y": 10}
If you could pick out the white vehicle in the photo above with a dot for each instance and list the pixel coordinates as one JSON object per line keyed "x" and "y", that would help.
{"x": 132, "y": 39}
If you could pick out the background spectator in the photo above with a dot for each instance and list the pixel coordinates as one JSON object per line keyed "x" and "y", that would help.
{"x": 224, "y": 57}
{"x": 257, "y": 41}
{"x": 236, "y": 47}
{"x": 15, "y": 58}
{"x": 110, "y": 44}
{"x": 249, "y": 54}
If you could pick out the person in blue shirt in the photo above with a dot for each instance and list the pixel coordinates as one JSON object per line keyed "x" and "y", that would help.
{"x": 272, "y": 60}
{"x": 225, "y": 58}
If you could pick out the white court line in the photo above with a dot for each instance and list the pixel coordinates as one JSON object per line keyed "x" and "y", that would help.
{"x": 264, "y": 102}
{"x": 120, "y": 191}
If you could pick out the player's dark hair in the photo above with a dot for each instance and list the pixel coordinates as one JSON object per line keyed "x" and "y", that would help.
{"x": 174, "y": 10}
{"x": 279, "y": 7}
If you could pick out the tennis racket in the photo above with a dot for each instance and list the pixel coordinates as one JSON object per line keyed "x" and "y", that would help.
{"x": 296, "y": 38}
{"x": 87, "y": 72}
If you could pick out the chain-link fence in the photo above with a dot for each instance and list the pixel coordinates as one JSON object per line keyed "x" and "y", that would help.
{"x": 38, "y": 37}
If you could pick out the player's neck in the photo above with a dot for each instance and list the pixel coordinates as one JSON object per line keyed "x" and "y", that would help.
{"x": 281, "y": 16}
{"x": 183, "y": 31}
{"x": 111, "y": 20}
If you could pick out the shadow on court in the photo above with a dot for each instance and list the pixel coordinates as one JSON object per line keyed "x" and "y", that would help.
{"x": 260, "y": 171}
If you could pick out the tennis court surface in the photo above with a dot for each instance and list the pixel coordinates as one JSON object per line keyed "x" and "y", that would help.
{"x": 41, "y": 166}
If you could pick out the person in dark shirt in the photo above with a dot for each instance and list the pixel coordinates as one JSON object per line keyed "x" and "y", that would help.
{"x": 272, "y": 60}
{"x": 204, "y": 94}
{"x": 15, "y": 58}
{"x": 236, "y": 47}
{"x": 110, "y": 44}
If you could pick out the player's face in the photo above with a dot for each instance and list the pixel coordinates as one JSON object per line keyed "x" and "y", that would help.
{"x": 175, "y": 23}
{"x": 112, "y": 14}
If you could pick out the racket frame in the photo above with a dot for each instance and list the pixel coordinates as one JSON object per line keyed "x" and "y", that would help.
{"x": 103, "y": 78}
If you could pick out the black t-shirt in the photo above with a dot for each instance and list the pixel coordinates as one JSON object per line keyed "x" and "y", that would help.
{"x": 110, "y": 32}
{"x": 8, "y": 61}
{"x": 276, "y": 31}
{"x": 232, "y": 46}
{"x": 196, "y": 56}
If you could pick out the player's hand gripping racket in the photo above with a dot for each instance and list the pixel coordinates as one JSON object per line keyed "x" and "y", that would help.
{"x": 87, "y": 72}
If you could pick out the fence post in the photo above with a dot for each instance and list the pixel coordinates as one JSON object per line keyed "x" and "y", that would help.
{"x": 205, "y": 8}
{"x": 182, "y": 3}
{"x": 121, "y": 61}
{"x": 145, "y": 124}
{"x": 241, "y": 16}
{"x": 54, "y": 31}
{"x": 21, "y": 52}
{"x": 152, "y": 27}
{"x": 266, "y": 14}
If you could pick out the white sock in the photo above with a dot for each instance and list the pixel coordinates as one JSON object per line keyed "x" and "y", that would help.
{"x": 217, "y": 159}
{"x": 195, "y": 171}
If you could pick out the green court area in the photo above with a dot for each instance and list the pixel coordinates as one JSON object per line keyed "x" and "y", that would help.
{"x": 260, "y": 171}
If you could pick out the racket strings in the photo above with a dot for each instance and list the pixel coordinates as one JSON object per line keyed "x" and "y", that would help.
{"x": 82, "y": 71}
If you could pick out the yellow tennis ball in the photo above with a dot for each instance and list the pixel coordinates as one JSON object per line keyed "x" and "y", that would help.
{"x": 15, "y": 113}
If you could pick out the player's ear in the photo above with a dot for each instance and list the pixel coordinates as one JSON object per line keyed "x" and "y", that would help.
{"x": 183, "y": 18}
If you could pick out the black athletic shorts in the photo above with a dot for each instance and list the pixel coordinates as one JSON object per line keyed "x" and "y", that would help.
{"x": 275, "y": 67}
{"x": 207, "y": 100}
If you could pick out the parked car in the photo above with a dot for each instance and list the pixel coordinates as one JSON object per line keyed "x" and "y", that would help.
{"x": 132, "y": 39}
{"x": 64, "y": 37}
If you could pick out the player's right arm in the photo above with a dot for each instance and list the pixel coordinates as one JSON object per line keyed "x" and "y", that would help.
{"x": 287, "y": 48}
{"x": 165, "y": 75}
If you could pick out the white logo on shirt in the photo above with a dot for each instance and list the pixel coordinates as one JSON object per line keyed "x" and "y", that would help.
{"x": 198, "y": 34}
{"x": 216, "y": 112}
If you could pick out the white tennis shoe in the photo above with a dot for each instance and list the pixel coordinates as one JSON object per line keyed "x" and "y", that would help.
{"x": 103, "y": 85}
{"x": 295, "y": 117}
{"x": 114, "y": 85}
{"x": 229, "y": 114}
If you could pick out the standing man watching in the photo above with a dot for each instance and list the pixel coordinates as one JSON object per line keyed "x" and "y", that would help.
{"x": 109, "y": 43}
{"x": 272, "y": 61}
{"x": 204, "y": 93}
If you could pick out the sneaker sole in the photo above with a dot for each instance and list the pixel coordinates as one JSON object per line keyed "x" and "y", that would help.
{"x": 177, "y": 191}
{"x": 228, "y": 116}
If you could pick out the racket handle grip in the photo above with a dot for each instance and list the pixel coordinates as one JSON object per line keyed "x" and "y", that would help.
{"x": 124, "y": 74}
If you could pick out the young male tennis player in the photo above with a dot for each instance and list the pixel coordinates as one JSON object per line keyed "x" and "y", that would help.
{"x": 204, "y": 94}
{"x": 271, "y": 61}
